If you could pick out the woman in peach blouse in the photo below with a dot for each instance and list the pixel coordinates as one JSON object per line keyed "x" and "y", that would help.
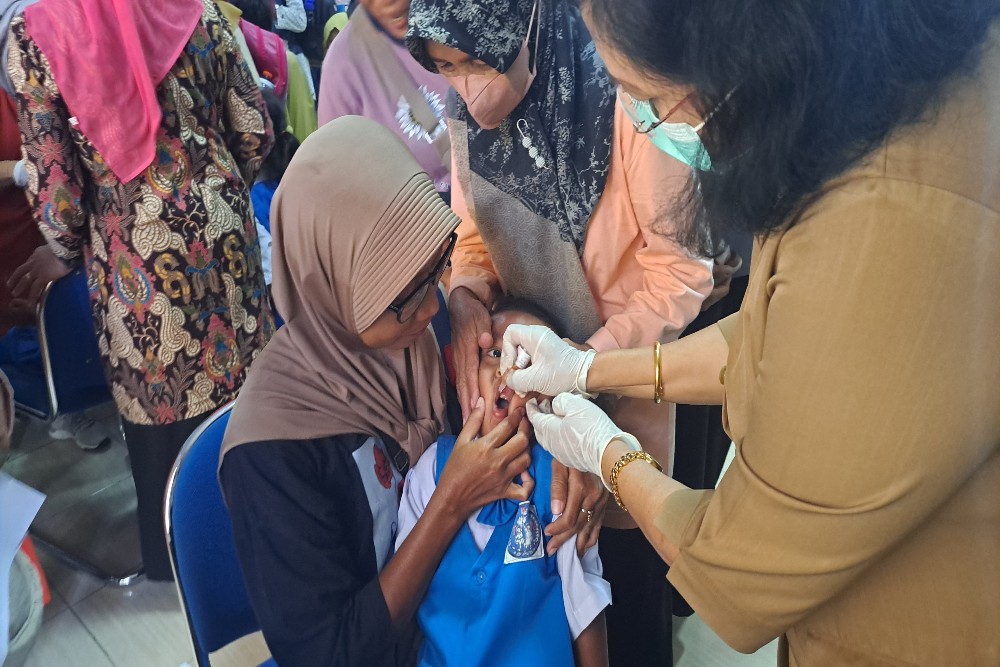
{"x": 562, "y": 203}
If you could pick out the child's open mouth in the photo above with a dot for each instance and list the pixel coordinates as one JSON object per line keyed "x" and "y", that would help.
{"x": 502, "y": 404}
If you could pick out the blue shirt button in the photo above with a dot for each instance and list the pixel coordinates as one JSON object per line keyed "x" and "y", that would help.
{"x": 481, "y": 577}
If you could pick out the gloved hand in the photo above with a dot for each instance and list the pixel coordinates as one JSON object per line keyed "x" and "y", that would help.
{"x": 20, "y": 174}
{"x": 556, "y": 366}
{"x": 575, "y": 431}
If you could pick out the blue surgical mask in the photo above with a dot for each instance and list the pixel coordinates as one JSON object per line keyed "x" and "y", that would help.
{"x": 678, "y": 140}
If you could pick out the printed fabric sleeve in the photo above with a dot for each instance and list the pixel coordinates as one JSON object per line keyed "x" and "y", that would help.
{"x": 869, "y": 412}
{"x": 674, "y": 283}
{"x": 291, "y": 16}
{"x": 249, "y": 134}
{"x": 306, "y": 556}
{"x": 417, "y": 491}
{"x": 471, "y": 266}
{"x": 56, "y": 178}
{"x": 585, "y": 592}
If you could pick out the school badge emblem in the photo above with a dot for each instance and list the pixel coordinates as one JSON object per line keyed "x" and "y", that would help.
{"x": 525, "y": 541}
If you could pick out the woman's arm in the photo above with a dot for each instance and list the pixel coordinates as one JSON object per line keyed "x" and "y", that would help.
{"x": 478, "y": 472}
{"x": 55, "y": 176}
{"x": 302, "y": 529}
{"x": 249, "y": 135}
{"x": 473, "y": 287}
{"x": 643, "y": 490}
{"x": 691, "y": 368}
{"x": 868, "y": 416}
{"x": 298, "y": 514}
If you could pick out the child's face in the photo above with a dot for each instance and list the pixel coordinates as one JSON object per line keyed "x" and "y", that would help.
{"x": 490, "y": 381}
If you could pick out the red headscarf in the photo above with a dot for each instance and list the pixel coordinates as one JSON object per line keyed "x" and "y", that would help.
{"x": 107, "y": 57}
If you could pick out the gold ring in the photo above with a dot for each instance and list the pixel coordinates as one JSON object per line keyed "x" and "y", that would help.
{"x": 590, "y": 514}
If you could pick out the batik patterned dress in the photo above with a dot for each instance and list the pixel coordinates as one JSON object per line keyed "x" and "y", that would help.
{"x": 172, "y": 256}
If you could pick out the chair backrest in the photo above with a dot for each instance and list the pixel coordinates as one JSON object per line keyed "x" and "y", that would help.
{"x": 68, "y": 374}
{"x": 202, "y": 550}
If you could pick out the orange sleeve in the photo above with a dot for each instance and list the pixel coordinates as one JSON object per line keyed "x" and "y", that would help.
{"x": 673, "y": 283}
{"x": 471, "y": 266}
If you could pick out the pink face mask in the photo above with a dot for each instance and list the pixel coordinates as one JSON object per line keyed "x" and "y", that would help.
{"x": 492, "y": 97}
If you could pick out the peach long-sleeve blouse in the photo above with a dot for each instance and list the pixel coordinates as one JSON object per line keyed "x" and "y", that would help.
{"x": 645, "y": 287}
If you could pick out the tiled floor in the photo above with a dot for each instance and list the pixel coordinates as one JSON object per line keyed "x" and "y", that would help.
{"x": 90, "y": 510}
{"x": 90, "y": 623}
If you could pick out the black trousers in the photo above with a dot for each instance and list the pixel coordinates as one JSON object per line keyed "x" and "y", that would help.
{"x": 640, "y": 632}
{"x": 152, "y": 451}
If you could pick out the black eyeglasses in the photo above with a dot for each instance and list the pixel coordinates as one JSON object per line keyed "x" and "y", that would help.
{"x": 636, "y": 109}
{"x": 406, "y": 308}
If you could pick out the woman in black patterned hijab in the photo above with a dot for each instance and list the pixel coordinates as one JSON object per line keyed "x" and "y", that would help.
{"x": 551, "y": 79}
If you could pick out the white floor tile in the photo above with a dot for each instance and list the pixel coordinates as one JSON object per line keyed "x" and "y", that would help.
{"x": 69, "y": 584}
{"x": 30, "y": 434}
{"x": 696, "y": 645}
{"x": 100, "y": 529}
{"x": 56, "y": 605}
{"x": 67, "y": 474}
{"x": 138, "y": 625}
{"x": 65, "y": 641}
{"x": 249, "y": 651}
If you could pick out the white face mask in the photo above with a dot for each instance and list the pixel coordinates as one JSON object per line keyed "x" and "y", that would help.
{"x": 492, "y": 97}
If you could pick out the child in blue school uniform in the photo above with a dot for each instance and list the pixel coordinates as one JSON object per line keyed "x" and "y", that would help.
{"x": 497, "y": 597}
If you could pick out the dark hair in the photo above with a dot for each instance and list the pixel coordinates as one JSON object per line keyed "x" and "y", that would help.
{"x": 517, "y": 304}
{"x": 815, "y": 87}
{"x": 285, "y": 143}
{"x": 259, "y": 12}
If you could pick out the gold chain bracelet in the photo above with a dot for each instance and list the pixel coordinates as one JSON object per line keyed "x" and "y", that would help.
{"x": 620, "y": 465}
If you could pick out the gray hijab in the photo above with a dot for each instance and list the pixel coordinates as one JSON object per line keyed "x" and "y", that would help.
{"x": 9, "y": 10}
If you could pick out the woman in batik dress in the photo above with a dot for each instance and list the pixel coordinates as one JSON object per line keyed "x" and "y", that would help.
{"x": 142, "y": 127}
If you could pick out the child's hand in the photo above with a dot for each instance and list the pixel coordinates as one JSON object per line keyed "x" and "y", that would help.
{"x": 481, "y": 470}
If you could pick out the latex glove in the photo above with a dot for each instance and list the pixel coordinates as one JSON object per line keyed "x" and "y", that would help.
{"x": 556, "y": 366}
{"x": 20, "y": 174}
{"x": 575, "y": 431}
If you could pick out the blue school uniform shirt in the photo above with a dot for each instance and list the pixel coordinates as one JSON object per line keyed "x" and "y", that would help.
{"x": 479, "y": 610}
{"x": 261, "y": 195}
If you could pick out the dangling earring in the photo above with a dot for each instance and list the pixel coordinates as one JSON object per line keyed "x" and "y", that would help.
{"x": 527, "y": 143}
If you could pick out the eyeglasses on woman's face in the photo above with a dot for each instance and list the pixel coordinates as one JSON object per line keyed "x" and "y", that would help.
{"x": 408, "y": 306}
{"x": 643, "y": 113}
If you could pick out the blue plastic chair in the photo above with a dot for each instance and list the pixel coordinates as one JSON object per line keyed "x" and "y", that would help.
{"x": 66, "y": 375}
{"x": 202, "y": 550}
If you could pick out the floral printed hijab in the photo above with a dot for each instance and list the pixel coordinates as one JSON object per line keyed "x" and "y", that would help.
{"x": 567, "y": 114}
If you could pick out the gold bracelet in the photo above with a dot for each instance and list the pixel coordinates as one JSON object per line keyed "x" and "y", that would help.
{"x": 620, "y": 465}
{"x": 657, "y": 375}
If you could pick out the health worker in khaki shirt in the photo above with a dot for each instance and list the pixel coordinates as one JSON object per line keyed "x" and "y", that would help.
{"x": 860, "y": 520}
